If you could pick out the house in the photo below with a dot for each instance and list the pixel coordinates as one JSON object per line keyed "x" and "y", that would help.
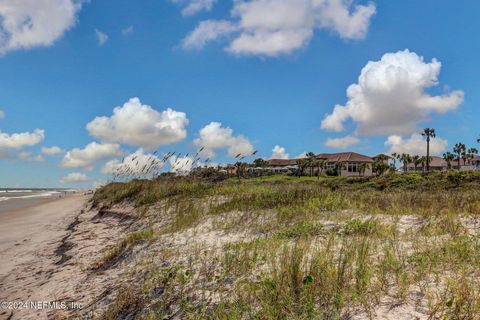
{"x": 439, "y": 164}
{"x": 436, "y": 164}
{"x": 347, "y": 163}
{"x": 281, "y": 165}
{"x": 351, "y": 163}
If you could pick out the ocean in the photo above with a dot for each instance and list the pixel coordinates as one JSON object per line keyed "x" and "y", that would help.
{"x": 15, "y": 198}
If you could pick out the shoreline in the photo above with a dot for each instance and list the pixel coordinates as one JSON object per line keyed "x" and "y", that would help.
{"x": 9, "y": 206}
{"x": 28, "y": 239}
{"x": 47, "y": 253}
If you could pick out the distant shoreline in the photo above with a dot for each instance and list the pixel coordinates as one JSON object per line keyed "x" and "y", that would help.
{"x": 17, "y": 199}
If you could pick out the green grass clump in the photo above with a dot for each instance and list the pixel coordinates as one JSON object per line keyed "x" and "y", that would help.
{"x": 127, "y": 304}
{"x": 364, "y": 228}
{"x": 299, "y": 230}
{"x": 124, "y": 245}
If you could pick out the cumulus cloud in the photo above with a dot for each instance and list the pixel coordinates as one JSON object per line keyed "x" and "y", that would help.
{"x": 101, "y": 37}
{"x": 192, "y": 7}
{"x": 140, "y": 125}
{"x": 133, "y": 164}
{"x": 415, "y": 145}
{"x": 213, "y": 136}
{"x": 273, "y": 27}
{"x": 20, "y": 140}
{"x": 74, "y": 177}
{"x": 342, "y": 143}
{"x": 301, "y": 155}
{"x": 51, "y": 151}
{"x": 31, "y": 23}
{"x": 206, "y": 31}
{"x": 335, "y": 15}
{"x": 279, "y": 153}
{"x": 391, "y": 96}
{"x": 90, "y": 155}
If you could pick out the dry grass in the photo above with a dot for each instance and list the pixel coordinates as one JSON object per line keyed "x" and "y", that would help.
{"x": 312, "y": 249}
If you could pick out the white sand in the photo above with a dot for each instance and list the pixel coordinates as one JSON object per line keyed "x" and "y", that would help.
{"x": 28, "y": 240}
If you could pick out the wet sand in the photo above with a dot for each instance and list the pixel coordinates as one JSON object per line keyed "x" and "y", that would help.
{"x": 7, "y": 206}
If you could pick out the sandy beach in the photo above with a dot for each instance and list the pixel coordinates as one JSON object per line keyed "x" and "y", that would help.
{"x": 28, "y": 239}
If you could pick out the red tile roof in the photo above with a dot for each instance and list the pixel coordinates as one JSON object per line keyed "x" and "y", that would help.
{"x": 282, "y": 162}
{"x": 330, "y": 157}
{"x": 344, "y": 157}
{"x": 434, "y": 162}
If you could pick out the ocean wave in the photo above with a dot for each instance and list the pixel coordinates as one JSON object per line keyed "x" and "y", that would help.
{"x": 40, "y": 195}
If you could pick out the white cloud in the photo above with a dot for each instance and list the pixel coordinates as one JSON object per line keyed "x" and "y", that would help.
{"x": 273, "y": 27}
{"x": 415, "y": 145}
{"x": 342, "y": 143}
{"x": 279, "y": 153}
{"x": 192, "y": 7}
{"x": 102, "y": 37}
{"x": 349, "y": 24}
{"x": 20, "y": 140}
{"x": 140, "y": 125}
{"x": 136, "y": 163}
{"x": 90, "y": 155}
{"x": 74, "y": 177}
{"x": 206, "y": 31}
{"x": 301, "y": 155}
{"x": 181, "y": 165}
{"x": 50, "y": 151}
{"x": 30, "y": 23}
{"x": 128, "y": 30}
{"x": 391, "y": 98}
{"x": 2, "y": 114}
{"x": 213, "y": 137}
{"x": 27, "y": 156}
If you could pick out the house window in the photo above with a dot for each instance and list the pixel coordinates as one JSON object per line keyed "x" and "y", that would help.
{"x": 352, "y": 167}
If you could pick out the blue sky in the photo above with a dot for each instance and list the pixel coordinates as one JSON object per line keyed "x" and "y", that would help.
{"x": 64, "y": 78}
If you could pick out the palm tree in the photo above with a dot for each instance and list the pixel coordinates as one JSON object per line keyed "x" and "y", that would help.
{"x": 449, "y": 157}
{"x": 471, "y": 153}
{"x": 423, "y": 162}
{"x": 321, "y": 164}
{"x": 459, "y": 149}
{"x": 416, "y": 161}
{"x": 302, "y": 164}
{"x": 241, "y": 166}
{"x": 406, "y": 159}
{"x": 428, "y": 133}
{"x": 311, "y": 161}
{"x": 394, "y": 156}
{"x": 259, "y": 163}
{"x": 381, "y": 164}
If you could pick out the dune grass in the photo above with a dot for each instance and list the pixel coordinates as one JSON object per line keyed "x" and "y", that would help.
{"x": 312, "y": 248}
